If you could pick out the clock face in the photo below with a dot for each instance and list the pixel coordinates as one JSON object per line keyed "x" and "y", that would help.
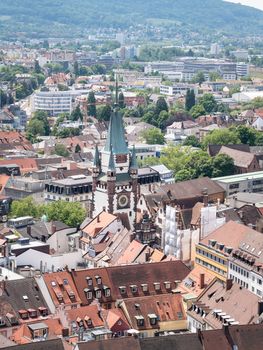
{"x": 123, "y": 201}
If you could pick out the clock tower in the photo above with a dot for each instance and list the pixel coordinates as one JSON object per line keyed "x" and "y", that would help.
{"x": 115, "y": 173}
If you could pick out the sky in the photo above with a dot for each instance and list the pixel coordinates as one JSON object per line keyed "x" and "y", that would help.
{"x": 255, "y": 3}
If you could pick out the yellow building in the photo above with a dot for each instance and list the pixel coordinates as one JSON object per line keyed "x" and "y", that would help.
{"x": 213, "y": 251}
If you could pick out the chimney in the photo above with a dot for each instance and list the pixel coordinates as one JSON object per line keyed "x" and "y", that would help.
{"x": 53, "y": 229}
{"x": 260, "y": 307}
{"x": 205, "y": 197}
{"x": 28, "y": 230}
{"x": 202, "y": 280}
{"x": 229, "y": 284}
{"x": 98, "y": 218}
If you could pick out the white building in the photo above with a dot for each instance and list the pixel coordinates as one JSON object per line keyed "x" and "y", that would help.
{"x": 177, "y": 89}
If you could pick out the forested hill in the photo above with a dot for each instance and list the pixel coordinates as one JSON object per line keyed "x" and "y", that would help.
{"x": 72, "y": 17}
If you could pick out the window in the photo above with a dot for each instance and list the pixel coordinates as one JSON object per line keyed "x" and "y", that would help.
{"x": 157, "y": 286}
{"x": 98, "y": 294}
{"x": 140, "y": 321}
{"x": 122, "y": 289}
{"x": 107, "y": 292}
{"x": 134, "y": 289}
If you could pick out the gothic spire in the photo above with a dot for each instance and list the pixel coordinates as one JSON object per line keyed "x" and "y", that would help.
{"x": 134, "y": 164}
{"x": 96, "y": 161}
{"x": 111, "y": 166}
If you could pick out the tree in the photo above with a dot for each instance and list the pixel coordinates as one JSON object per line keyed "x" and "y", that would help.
{"x": 246, "y": 135}
{"x": 189, "y": 99}
{"x": 161, "y": 105}
{"x": 209, "y": 103}
{"x": 162, "y": 119}
{"x": 213, "y": 76}
{"x": 72, "y": 214}
{"x": 199, "y": 78}
{"x": 77, "y": 148}
{"x": 192, "y": 141}
{"x": 183, "y": 175}
{"x": 43, "y": 116}
{"x": 76, "y": 68}
{"x": 153, "y": 136}
{"x": 92, "y": 104}
{"x": 104, "y": 112}
{"x": 37, "y": 68}
{"x": 35, "y": 128}
{"x": 197, "y": 110}
{"x": 259, "y": 139}
{"x": 221, "y": 137}
{"x": 76, "y": 114}
{"x": 61, "y": 150}
{"x": 223, "y": 165}
{"x": 24, "y": 207}
{"x": 121, "y": 100}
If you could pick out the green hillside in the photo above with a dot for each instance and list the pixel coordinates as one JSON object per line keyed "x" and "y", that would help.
{"x": 73, "y": 17}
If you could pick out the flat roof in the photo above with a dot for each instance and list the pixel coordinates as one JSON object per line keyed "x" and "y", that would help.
{"x": 240, "y": 177}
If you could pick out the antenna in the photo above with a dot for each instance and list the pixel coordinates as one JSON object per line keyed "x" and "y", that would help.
{"x": 116, "y": 92}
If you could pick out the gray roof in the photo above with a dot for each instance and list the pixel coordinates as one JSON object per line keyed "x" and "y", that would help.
{"x": 54, "y": 344}
{"x": 116, "y": 135}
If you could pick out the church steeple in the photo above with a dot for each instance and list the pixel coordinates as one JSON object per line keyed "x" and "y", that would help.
{"x": 111, "y": 167}
{"x": 116, "y": 133}
{"x": 96, "y": 161}
{"x": 134, "y": 164}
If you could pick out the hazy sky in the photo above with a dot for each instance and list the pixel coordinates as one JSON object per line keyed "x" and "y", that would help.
{"x": 254, "y": 3}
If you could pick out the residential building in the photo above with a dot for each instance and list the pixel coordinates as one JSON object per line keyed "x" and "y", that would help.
{"x": 179, "y": 131}
{"x": 71, "y": 189}
{"x": 244, "y": 162}
{"x": 213, "y": 251}
{"x": 224, "y": 303}
{"x": 128, "y": 281}
{"x": 155, "y": 315}
{"x": 177, "y": 89}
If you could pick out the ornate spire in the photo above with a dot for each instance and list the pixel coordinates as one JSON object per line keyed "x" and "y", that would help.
{"x": 134, "y": 164}
{"x": 96, "y": 162}
{"x": 111, "y": 166}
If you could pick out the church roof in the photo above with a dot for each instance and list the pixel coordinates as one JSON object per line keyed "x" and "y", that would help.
{"x": 96, "y": 162}
{"x": 116, "y": 135}
{"x": 134, "y": 164}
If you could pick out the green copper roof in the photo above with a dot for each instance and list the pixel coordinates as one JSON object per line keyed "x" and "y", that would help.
{"x": 111, "y": 166}
{"x": 96, "y": 162}
{"x": 134, "y": 164}
{"x": 116, "y": 135}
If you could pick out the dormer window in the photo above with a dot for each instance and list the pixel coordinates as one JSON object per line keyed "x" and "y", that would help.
{"x": 89, "y": 281}
{"x": 32, "y": 313}
{"x": 153, "y": 319}
{"x": 167, "y": 285}
{"x": 139, "y": 320}
{"x": 98, "y": 279}
{"x": 157, "y": 286}
{"x": 88, "y": 293}
{"x": 134, "y": 288}
{"x": 122, "y": 289}
{"x": 107, "y": 292}
{"x": 98, "y": 293}
{"x": 43, "y": 311}
{"x": 25, "y": 297}
{"x": 23, "y": 314}
{"x": 144, "y": 287}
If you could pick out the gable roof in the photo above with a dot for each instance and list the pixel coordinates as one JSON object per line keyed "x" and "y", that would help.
{"x": 60, "y": 284}
{"x": 127, "y": 275}
{"x": 229, "y": 234}
{"x": 90, "y": 311}
{"x": 130, "y": 254}
{"x": 167, "y": 308}
{"x": 54, "y": 344}
{"x": 241, "y": 159}
{"x": 190, "y": 188}
{"x": 100, "y": 222}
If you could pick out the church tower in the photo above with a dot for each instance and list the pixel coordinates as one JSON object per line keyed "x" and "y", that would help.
{"x": 115, "y": 172}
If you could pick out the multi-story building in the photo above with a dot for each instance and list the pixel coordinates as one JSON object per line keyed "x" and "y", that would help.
{"x": 246, "y": 263}
{"x": 75, "y": 188}
{"x": 213, "y": 251}
{"x": 55, "y": 102}
{"x": 250, "y": 182}
{"x": 176, "y": 89}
